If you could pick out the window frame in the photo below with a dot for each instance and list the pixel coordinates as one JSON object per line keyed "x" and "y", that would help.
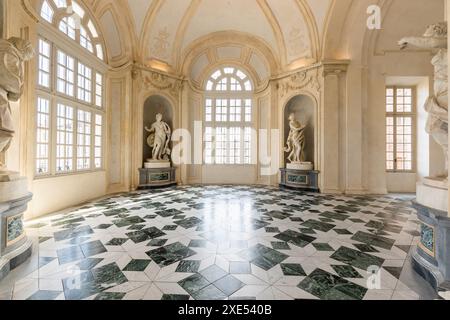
{"x": 87, "y": 22}
{"x": 55, "y": 97}
{"x": 395, "y": 114}
{"x": 229, "y": 95}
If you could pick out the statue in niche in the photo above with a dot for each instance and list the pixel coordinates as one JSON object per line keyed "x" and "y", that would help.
{"x": 159, "y": 139}
{"x": 296, "y": 141}
{"x": 14, "y": 52}
{"x": 435, "y": 38}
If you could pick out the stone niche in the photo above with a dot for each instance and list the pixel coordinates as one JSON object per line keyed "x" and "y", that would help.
{"x": 304, "y": 109}
{"x": 152, "y": 106}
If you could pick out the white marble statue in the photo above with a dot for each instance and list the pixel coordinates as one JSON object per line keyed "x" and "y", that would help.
{"x": 159, "y": 139}
{"x": 13, "y": 53}
{"x": 296, "y": 141}
{"x": 435, "y": 38}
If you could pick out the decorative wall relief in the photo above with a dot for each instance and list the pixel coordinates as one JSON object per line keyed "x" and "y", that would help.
{"x": 161, "y": 45}
{"x": 299, "y": 43}
{"x": 298, "y": 81}
{"x": 159, "y": 81}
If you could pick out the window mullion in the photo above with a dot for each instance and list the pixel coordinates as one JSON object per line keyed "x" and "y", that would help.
{"x": 54, "y": 134}
{"x": 395, "y": 142}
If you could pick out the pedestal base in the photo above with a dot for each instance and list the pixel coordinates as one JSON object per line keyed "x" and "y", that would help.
{"x": 152, "y": 164}
{"x": 432, "y": 257}
{"x": 300, "y": 180}
{"x": 12, "y": 186}
{"x": 15, "y": 247}
{"x": 157, "y": 178}
{"x": 300, "y": 166}
{"x": 14, "y": 259}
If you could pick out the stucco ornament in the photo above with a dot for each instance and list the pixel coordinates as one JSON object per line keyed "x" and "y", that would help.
{"x": 435, "y": 38}
{"x": 14, "y": 52}
{"x": 159, "y": 139}
{"x": 296, "y": 141}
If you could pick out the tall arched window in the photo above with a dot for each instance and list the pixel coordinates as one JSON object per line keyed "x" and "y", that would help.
{"x": 70, "y": 111}
{"x": 74, "y": 22}
{"x": 228, "y": 117}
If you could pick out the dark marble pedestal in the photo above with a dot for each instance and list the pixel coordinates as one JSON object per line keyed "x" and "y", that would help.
{"x": 15, "y": 247}
{"x": 431, "y": 259}
{"x": 300, "y": 180}
{"x": 157, "y": 178}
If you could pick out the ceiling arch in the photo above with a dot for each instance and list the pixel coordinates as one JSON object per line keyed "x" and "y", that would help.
{"x": 163, "y": 30}
{"x": 290, "y": 28}
{"x": 232, "y": 48}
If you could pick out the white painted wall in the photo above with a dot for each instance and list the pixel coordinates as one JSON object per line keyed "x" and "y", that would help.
{"x": 54, "y": 194}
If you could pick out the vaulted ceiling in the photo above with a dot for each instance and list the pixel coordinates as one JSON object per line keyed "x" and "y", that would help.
{"x": 268, "y": 37}
{"x": 282, "y": 33}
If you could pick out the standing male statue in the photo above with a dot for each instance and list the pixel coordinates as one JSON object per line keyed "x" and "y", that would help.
{"x": 435, "y": 38}
{"x": 159, "y": 139}
{"x": 296, "y": 141}
{"x": 13, "y": 53}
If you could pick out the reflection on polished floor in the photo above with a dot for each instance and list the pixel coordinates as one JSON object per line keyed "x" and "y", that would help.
{"x": 223, "y": 242}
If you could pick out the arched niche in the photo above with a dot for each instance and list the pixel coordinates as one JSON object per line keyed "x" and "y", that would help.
{"x": 152, "y": 106}
{"x": 304, "y": 108}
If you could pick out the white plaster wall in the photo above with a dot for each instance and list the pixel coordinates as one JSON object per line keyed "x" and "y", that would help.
{"x": 386, "y": 60}
{"x": 219, "y": 174}
{"x": 54, "y": 194}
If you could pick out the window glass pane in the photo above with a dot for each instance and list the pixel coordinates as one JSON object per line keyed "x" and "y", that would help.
{"x": 99, "y": 51}
{"x": 60, "y": 3}
{"x": 84, "y": 83}
{"x": 44, "y": 67}
{"x": 47, "y": 12}
{"x": 68, "y": 26}
{"x": 241, "y": 75}
{"x": 65, "y": 138}
{"x": 399, "y": 129}
{"x": 65, "y": 74}
{"x": 84, "y": 140}
{"x": 98, "y": 90}
{"x": 208, "y": 145}
{"x": 85, "y": 40}
{"x": 98, "y": 143}
{"x": 221, "y": 145}
{"x": 92, "y": 29}
{"x": 228, "y": 136}
{"x": 43, "y": 136}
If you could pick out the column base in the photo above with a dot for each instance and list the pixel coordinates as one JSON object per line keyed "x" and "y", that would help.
{"x": 431, "y": 259}
{"x": 12, "y": 260}
{"x": 15, "y": 247}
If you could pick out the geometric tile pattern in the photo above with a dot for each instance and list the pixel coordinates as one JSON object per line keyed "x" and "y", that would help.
{"x": 220, "y": 242}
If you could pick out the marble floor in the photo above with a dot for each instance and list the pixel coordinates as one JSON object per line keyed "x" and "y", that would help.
{"x": 223, "y": 242}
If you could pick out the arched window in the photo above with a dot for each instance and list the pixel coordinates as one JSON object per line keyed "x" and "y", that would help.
{"x": 70, "y": 109}
{"x": 74, "y": 23}
{"x": 228, "y": 117}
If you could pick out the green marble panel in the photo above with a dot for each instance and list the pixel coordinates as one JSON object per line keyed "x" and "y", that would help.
{"x": 165, "y": 176}
{"x": 14, "y": 229}
{"x": 427, "y": 237}
{"x": 298, "y": 179}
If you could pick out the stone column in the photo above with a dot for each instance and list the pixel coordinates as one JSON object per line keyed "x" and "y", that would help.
{"x": 331, "y": 127}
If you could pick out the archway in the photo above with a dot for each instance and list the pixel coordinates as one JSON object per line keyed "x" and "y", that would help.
{"x": 152, "y": 106}
{"x": 304, "y": 109}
